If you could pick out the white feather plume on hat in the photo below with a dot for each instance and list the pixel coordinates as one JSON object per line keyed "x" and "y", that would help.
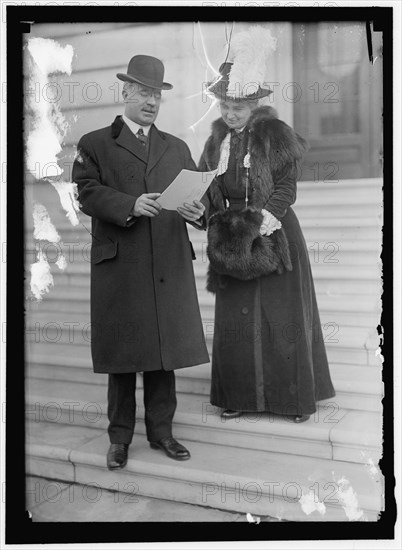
{"x": 249, "y": 52}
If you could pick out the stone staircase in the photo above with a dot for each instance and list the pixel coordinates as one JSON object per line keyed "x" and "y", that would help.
{"x": 325, "y": 469}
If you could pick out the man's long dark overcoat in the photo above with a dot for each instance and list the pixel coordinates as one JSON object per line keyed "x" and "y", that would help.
{"x": 144, "y": 308}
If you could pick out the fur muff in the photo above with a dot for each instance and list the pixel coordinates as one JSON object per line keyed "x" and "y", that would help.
{"x": 235, "y": 247}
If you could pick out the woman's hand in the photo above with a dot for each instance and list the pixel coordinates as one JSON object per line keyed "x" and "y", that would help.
{"x": 191, "y": 212}
{"x": 146, "y": 205}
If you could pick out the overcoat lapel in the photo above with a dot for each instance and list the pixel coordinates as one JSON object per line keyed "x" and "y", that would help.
{"x": 157, "y": 148}
{"x": 127, "y": 140}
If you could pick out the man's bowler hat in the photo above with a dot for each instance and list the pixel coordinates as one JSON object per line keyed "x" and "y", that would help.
{"x": 146, "y": 70}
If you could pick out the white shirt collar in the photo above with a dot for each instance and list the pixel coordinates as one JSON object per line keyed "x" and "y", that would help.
{"x": 134, "y": 127}
{"x": 238, "y": 131}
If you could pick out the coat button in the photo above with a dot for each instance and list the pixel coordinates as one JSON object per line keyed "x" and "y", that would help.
{"x": 161, "y": 280}
{"x": 244, "y": 310}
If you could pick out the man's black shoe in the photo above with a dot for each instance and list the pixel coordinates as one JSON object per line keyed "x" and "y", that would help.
{"x": 117, "y": 456}
{"x": 229, "y": 413}
{"x": 172, "y": 448}
{"x": 301, "y": 418}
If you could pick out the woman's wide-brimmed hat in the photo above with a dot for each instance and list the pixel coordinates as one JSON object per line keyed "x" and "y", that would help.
{"x": 221, "y": 89}
{"x": 242, "y": 74}
{"x": 146, "y": 70}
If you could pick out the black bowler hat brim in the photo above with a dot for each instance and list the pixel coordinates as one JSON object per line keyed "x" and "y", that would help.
{"x": 131, "y": 78}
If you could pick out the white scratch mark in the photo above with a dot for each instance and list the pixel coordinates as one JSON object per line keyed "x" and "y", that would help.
{"x": 193, "y": 126}
{"x": 214, "y": 71}
{"x": 48, "y": 124}
{"x": 379, "y": 354}
{"x": 50, "y": 56}
{"x": 348, "y": 499}
{"x": 372, "y": 468}
{"x": 44, "y": 229}
{"x": 61, "y": 262}
{"x": 309, "y": 504}
{"x": 213, "y": 103}
{"x": 48, "y": 128}
{"x": 78, "y": 158}
{"x": 41, "y": 277}
{"x": 69, "y": 199}
{"x": 252, "y": 519}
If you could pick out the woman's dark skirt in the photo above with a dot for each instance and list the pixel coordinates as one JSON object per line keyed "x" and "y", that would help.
{"x": 268, "y": 348}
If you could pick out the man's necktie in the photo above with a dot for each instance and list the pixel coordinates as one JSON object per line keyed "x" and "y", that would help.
{"x": 142, "y": 137}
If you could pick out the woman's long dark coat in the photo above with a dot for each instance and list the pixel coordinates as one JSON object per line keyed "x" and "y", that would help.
{"x": 144, "y": 308}
{"x": 268, "y": 349}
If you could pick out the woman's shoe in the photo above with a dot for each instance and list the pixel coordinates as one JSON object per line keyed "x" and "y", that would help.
{"x": 301, "y": 418}
{"x": 229, "y": 413}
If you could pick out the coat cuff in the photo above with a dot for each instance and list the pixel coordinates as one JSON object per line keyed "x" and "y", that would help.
{"x": 131, "y": 219}
{"x": 201, "y": 223}
{"x": 269, "y": 223}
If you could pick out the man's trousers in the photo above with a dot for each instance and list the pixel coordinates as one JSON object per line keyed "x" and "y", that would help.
{"x": 159, "y": 402}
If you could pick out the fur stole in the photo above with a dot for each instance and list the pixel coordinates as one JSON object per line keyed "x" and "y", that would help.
{"x": 274, "y": 149}
{"x": 235, "y": 247}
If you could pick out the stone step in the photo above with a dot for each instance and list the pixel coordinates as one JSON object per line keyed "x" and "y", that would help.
{"x": 333, "y": 207}
{"x": 347, "y": 261}
{"x": 351, "y": 265}
{"x": 328, "y": 260}
{"x": 344, "y": 344}
{"x": 76, "y": 300}
{"x": 341, "y": 319}
{"x": 356, "y": 388}
{"x": 329, "y": 206}
{"x": 60, "y": 334}
{"x": 197, "y": 420}
{"x": 73, "y": 279}
{"x": 337, "y": 280}
{"x": 345, "y": 186}
{"x": 58, "y": 362}
{"x": 360, "y": 255}
{"x": 330, "y": 197}
{"x": 316, "y": 223}
{"x": 324, "y": 230}
{"x": 336, "y": 289}
{"x": 54, "y": 501}
{"x": 364, "y": 292}
{"x": 70, "y": 328}
{"x": 246, "y": 481}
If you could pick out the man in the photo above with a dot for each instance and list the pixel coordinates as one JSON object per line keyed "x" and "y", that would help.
{"x": 144, "y": 309}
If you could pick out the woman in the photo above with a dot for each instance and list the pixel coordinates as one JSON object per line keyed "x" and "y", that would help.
{"x": 268, "y": 349}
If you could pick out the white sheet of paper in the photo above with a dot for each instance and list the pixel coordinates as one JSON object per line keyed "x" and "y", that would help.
{"x": 186, "y": 187}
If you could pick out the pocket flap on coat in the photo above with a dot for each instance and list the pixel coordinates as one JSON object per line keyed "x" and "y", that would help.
{"x": 103, "y": 252}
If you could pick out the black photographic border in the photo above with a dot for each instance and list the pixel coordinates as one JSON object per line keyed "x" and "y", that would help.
{"x": 19, "y": 528}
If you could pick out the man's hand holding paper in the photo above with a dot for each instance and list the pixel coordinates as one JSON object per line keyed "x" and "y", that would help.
{"x": 191, "y": 212}
{"x": 185, "y": 192}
